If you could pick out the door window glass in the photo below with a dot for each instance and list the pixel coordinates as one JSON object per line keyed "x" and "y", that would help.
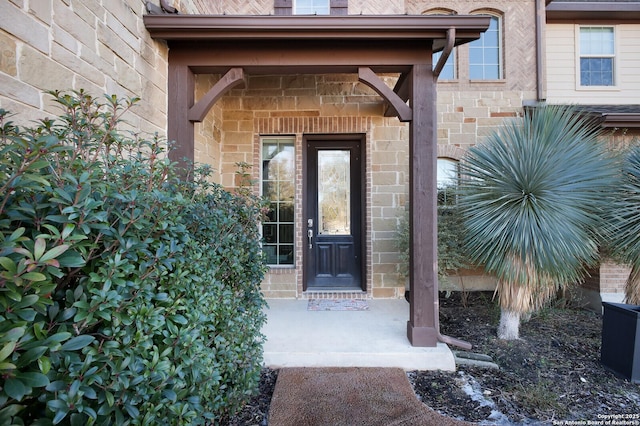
{"x": 334, "y": 192}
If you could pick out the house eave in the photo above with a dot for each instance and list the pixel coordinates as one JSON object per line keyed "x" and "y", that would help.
{"x": 621, "y": 121}
{"x": 353, "y": 27}
{"x": 592, "y": 11}
{"x": 618, "y": 116}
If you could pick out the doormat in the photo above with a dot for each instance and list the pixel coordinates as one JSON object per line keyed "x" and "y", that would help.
{"x": 349, "y": 396}
{"x": 337, "y": 305}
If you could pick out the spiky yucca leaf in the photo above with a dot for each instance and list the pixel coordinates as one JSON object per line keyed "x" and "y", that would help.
{"x": 532, "y": 199}
{"x": 625, "y": 221}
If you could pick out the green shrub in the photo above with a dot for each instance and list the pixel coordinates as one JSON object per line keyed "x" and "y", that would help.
{"x": 127, "y": 295}
{"x": 451, "y": 254}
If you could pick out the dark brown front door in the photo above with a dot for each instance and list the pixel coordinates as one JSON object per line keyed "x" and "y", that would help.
{"x": 334, "y": 221}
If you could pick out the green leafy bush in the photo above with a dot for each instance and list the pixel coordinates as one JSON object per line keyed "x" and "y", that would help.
{"x": 451, "y": 253}
{"x": 127, "y": 295}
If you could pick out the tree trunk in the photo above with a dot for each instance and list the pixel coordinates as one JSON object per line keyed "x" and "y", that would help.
{"x": 509, "y": 327}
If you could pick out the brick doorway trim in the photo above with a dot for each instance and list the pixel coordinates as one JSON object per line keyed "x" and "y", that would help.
{"x": 365, "y": 45}
{"x": 300, "y": 126}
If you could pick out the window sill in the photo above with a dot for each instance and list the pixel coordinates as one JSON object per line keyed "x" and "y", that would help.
{"x": 281, "y": 268}
{"x": 598, "y": 88}
{"x": 498, "y": 81}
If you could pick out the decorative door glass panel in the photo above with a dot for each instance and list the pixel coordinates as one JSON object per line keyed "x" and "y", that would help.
{"x": 334, "y": 192}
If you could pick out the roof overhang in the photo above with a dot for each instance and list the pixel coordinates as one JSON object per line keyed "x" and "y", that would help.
{"x": 615, "y": 116}
{"x": 593, "y": 11}
{"x": 621, "y": 121}
{"x": 609, "y": 116}
{"x": 369, "y": 29}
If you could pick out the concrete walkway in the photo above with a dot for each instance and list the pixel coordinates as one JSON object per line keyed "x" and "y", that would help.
{"x": 296, "y": 337}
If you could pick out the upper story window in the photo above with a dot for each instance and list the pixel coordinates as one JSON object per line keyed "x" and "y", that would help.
{"x": 278, "y": 186}
{"x": 311, "y": 7}
{"x": 597, "y": 56}
{"x": 485, "y": 54}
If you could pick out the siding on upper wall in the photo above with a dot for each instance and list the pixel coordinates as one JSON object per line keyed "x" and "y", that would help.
{"x": 561, "y": 67}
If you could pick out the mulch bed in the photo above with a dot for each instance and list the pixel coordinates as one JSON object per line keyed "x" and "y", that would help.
{"x": 552, "y": 374}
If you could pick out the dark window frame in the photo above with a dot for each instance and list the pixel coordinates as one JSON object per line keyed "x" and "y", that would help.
{"x": 278, "y": 227}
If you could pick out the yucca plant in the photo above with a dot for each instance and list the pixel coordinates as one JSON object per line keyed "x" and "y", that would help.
{"x": 532, "y": 199}
{"x": 625, "y": 220}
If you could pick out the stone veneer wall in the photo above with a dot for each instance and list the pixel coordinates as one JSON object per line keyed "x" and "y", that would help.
{"x": 97, "y": 45}
{"x": 606, "y": 283}
{"x": 612, "y": 277}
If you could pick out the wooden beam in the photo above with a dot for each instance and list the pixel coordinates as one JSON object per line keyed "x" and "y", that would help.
{"x": 234, "y": 77}
{"x": 399, "y": 107}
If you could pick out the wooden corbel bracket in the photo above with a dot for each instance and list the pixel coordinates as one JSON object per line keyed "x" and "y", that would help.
{"x": 234, "y": 77}
{"x": 396, "y": 104}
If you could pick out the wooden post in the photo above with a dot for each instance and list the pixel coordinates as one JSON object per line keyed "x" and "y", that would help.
{"x": 423, "y": 267}
{"x": 181, "y": 94}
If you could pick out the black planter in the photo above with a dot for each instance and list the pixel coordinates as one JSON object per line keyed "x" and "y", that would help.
{"x": 620, "y": 350}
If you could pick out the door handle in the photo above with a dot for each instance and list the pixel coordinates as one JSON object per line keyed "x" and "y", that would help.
{"x": 310, "y": 237}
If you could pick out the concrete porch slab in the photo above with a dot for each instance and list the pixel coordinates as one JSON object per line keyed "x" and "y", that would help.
{"x": 296, "y": 337}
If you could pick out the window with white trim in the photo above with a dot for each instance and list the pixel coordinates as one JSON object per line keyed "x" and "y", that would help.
{"x": 311, "y": 7}
{"x": 485, "y": 54}
{"x": 278, "y": 187}
{"x": 597, "y": 56}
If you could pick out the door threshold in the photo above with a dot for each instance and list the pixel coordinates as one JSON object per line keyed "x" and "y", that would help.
{"x": 335, "y": 293}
